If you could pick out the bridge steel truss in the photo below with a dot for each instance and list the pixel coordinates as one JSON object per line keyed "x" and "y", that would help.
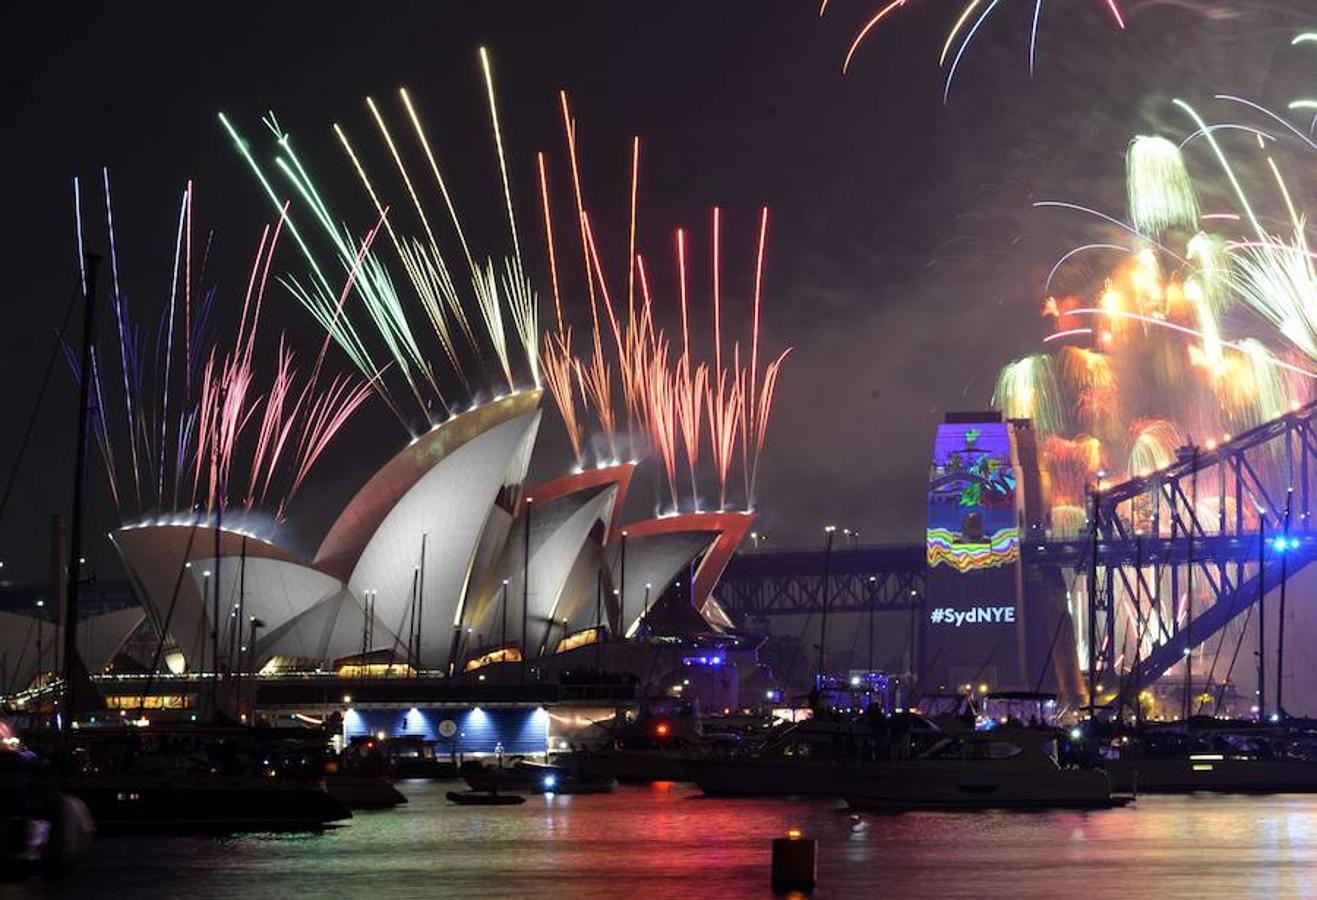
{"x": 1181, "y": 553}
{"x": 758, "y": 585}
{"x": 1176, "y": 562}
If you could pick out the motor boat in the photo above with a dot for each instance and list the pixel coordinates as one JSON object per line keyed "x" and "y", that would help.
{"x": 524, "y": 776}
{"x": 805, "y": 758}
{"x": 1007, "y": 767}
{"x": 650, "y": 748}
{"x": 1240, "y": 759}
{"x": 403, "y": 757}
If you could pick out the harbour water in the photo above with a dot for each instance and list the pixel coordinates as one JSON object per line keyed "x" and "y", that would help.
{"x": 669, "y": 841}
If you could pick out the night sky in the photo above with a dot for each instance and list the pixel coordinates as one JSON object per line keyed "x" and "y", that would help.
{"x": 905, "y": 260}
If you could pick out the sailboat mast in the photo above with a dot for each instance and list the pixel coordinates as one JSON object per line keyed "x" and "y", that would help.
{"x": 420, "y": 600}
{"x": 79, "y": 480}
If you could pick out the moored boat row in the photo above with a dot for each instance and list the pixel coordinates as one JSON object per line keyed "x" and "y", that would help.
{"x": 908, "y": 761}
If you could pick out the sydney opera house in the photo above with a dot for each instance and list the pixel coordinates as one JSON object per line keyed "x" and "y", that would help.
{"x": 443, "y": 562}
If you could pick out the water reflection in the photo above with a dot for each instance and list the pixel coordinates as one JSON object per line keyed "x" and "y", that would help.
{"x": 666, "y": 840}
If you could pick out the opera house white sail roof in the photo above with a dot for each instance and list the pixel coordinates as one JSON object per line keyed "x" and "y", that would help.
{"x": 434, "y": 534}
{"x": 447, "y": 485}
{"x": 570, "y": 519}
{"x": 30, "y": 646}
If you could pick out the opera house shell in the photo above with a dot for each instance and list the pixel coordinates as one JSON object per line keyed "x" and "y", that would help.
{"x": 435, "y": 551}
{"x": 31, "y": 648}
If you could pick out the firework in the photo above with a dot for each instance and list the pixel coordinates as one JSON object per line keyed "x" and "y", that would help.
{"x": 1153, "y": 443}
{"x": 1028, "y": 389}
{"x": 1161, "y": 194}
{"x": 1278, "y": 281}
{"x": 1089, "y": 374}
{"x": 1072, "y": 465}
{"x": 1149, "y": 345}
{"x": 499, "y": 289}
{"x": 963, "y": 30}
{"x": 234, "y": 438}
{"x": 560, "y": 373}
{"x": 669, "y": 398}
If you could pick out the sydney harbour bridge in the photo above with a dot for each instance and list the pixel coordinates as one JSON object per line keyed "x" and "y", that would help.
{"x": 1175, "y": 561}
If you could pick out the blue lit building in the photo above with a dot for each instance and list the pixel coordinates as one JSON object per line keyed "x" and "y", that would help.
{"x": 458, "y": 730}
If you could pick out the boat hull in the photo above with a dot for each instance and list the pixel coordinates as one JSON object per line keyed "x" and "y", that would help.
{"x": 363, "y": 791}
{"x": 201, "y": 805}
{"x": 897, "y": 787}
{"x": 632, "y": 766}
{"x": 752, "y": 777}
{"x": 1226, "y": 776}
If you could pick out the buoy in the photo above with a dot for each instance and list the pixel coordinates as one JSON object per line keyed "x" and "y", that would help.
{"x": 794, "y": 864}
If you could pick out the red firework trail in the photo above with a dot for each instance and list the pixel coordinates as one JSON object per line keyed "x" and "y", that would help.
{"x": 631, "y": 234}
{"x": 864, "y": 32}
{"x": 762, "y": 410}
{"x": 558, "y": 372}
{"x": 548, "y": 240}
{"x": 723, "y": 401}
{"x": 717, "y": 300}
{"x": 669, "y": 398}
{"x": 749, "y": 434}
{"x": 661, "y": 414}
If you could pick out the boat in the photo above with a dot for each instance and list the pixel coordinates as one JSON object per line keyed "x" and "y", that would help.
{"x": 205, "y": 803}
{"x": 1215, "y": 757}
{"x": 524, "y": 776}
{"x": 805, "y": 758}
{"x": 1007, "y": 767}
{"x": 404, "y": 757}
{"x": 363, "y": 791}
{"x": 200, "y": 779}
{"x": 650, "y": 748}
{"x": 484, "y": 798}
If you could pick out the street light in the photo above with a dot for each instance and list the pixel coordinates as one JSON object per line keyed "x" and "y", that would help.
{"x": 830, "y": 531}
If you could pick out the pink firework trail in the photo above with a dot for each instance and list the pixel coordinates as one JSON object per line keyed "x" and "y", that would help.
{"x": 231, "y": 425}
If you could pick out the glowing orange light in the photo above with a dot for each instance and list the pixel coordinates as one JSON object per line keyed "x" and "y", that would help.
{"x": 661, "y": 729}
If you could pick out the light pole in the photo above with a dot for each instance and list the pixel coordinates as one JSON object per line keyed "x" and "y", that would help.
{"x": 205, "y": 596}
{"x": 251, "y": 650}
{"x": 1189, "y": 592}
{"x": 41, "y": 620}
{"x": 1286, "y": 546}
{"x": 525, "y": 594}
{"x": 622, "y": 584}
{"x": 504, "y": 640}
{"x": 873, "y": 580}
{"x": 1262, "y": 615}
{"x": 1092, "y": 602}
{"x": 255, "y": 623}
{"x": 830, "y": 531}
{"x": 598, "y": 617}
